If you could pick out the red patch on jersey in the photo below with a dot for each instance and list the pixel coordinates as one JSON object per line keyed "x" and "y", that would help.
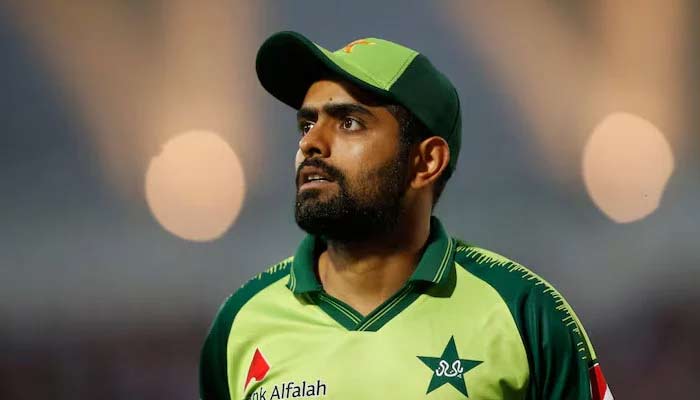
{"x": 599, "y": 387}
{"x": 258, "y": 368}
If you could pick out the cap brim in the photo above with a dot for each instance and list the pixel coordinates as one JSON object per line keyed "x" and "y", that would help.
{"x": 287, "y": 64}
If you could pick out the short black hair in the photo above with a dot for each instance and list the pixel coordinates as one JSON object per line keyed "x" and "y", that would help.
{"x": 411, "y": 132}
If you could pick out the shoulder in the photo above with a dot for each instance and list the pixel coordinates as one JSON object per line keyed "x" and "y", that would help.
{"x": 254, "y": 287}
{"x": 535, "y": 304}
{"x": 213, "y": 365}
{"x": 511, "y": 279}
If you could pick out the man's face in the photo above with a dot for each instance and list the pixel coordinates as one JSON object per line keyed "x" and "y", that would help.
{"x": 352, "y": 171}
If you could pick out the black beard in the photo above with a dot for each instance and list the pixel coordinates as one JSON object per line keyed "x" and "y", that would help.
{"x": 348, "y": 216}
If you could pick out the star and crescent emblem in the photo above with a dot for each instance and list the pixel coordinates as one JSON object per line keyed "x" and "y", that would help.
{"x": 449, "y": 368}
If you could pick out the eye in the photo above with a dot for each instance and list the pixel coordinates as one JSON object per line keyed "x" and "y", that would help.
{"x": 351, "y": 124}
{"x": 305, "y": 127}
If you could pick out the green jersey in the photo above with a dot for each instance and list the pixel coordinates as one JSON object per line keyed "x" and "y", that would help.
{"x": 467, "y": 324}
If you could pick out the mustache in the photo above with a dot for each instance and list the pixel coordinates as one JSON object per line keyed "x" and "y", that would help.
{"x": 332, "y": 172}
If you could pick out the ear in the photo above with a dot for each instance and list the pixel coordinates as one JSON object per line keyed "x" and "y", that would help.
{"x": 430, "y": 158}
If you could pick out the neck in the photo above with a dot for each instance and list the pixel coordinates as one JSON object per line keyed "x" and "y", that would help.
{"x": 365, "y": 274}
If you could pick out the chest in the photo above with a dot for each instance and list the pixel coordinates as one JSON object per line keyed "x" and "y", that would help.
{"x": 431, "y": 348}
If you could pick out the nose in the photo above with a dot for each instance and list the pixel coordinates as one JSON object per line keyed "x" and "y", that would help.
{"x": 316, "y": 142}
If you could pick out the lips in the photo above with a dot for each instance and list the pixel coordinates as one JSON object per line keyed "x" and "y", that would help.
{"x": 312, "y": 177}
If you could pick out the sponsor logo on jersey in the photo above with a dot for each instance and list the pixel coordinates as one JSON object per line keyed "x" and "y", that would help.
{"x": 599, "y": 387}
{"x": 449, "y": 368}
{"x": 258, "y": 369}
{"x": 290, "y": 390}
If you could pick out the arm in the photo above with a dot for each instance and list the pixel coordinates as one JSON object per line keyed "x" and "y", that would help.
{"x": 213, "y": 376}
{"x": 561, "y": 359}
{"x": 563, "y": 364}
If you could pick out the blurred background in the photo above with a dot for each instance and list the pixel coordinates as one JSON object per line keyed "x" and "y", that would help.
{"x": 145, "y": 174}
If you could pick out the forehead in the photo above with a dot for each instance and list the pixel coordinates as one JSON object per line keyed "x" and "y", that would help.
{"x": 329, "y": 91}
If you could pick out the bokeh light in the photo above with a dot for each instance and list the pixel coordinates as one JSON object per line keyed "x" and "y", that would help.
{"x": 129, "y": 81}
{"x": 567, "y": 76}
{"x": 627, "y": 163}
{"x": 195, "y": 187}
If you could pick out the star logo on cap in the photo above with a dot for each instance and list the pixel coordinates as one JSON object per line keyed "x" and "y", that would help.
{"x": 449, "y": 368}
{"x": 349, "y": 46}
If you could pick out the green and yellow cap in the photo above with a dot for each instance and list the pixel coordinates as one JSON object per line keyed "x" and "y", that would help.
{"x": 288, "y": 64}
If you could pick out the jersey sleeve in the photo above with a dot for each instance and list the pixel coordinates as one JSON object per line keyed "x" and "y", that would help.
{"x": 215, "y": 359}
{"x": 213, "y": 376}
{"x": 563, "y": 364}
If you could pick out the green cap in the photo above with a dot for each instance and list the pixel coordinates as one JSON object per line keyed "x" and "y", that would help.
{"x": 288, "y": 64}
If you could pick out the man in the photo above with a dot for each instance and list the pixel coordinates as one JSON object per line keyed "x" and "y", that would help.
{"x": 379, "y": 302}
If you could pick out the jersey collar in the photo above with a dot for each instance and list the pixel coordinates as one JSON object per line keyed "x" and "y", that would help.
{"x": 434, "y": 267}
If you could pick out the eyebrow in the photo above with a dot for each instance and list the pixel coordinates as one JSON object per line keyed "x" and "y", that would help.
{"x": 335, "y": 110}
{"x": 307, "y": 114}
